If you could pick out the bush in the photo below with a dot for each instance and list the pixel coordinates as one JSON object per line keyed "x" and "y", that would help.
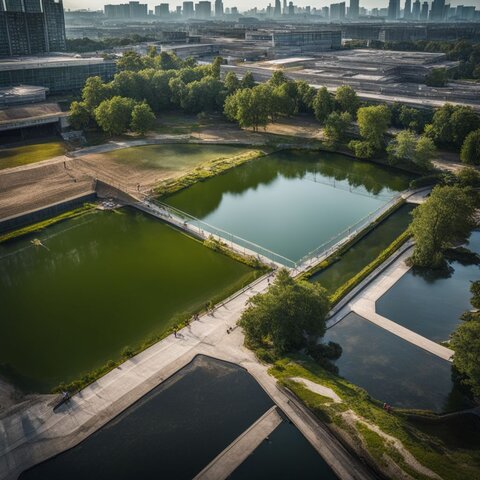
{"x": 127, "y": 352}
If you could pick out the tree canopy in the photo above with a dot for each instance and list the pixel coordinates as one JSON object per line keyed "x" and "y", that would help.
{"x": 407, "y": 146}
{"x": 444, "y": 220}
{"x": 284, "y": 315}
{"x": 347, "y": 99}
{"x": 470, "y": 153}
{"x": 323, "y": 104}
{"x": 373, "y": 123}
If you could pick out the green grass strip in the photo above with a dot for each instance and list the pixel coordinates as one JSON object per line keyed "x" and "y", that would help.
{"x": 35, "y": 227}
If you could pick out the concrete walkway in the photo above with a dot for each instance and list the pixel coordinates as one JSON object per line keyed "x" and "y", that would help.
{"x": 238, "y": 451}
{"x": 33, "y": 435}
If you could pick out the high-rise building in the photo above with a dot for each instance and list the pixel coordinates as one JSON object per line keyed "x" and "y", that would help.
{"x": 291, "y": 9}
{"x": 277, "y": 11}
{"x": 407, "y": 10}
{"x": 337, "y": 11}
{"x": 203, "y": 9}
{"x": 127, "y": 10}
{"x": 437, "y": 12}
{"x": 31, "y": 27}
{"x": 218, "y": 8}
{"x": 415, "y": 10}
{"x": 393, "y": 9}
{"x": 424, "y": 11}
{"x": 354, "y": 10}
{"x": 188, "y": 11}
{"x": 284, "y": 7}
{"x": 325, "y": 12}
{"x": 162, "y": 10}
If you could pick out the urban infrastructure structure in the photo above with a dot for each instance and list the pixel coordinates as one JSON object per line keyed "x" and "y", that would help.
{"x": 29, "y": 27}
{"x": 58, "y": 73}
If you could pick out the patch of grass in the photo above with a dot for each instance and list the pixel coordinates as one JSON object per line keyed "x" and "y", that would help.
{"x": 206, "y": 170}
{"x": 32, "y": 153}
{"x": 374, "y": 442}
{"x": 431, "y": 446}
{"x": 35, "y": 227}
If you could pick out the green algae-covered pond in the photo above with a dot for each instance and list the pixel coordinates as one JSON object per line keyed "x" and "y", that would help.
{"x": 98, "y": 283}
{"x": 291, "y": 202}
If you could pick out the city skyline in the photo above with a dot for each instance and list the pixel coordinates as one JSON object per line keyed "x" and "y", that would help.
{"x": 248, "y": 4}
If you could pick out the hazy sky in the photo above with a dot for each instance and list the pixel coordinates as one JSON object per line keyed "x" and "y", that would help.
{"x": 245, "y": 4}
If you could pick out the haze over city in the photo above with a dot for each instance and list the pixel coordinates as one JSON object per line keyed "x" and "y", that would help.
{"x": 244, "y": 4}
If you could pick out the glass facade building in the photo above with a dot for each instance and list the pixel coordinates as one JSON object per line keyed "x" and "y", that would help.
{"x": 30, "y": 27}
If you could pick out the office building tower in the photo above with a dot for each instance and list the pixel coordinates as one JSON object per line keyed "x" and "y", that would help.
{"x": 218, "y": 8}
{"x": 407, "y": 10}
{"x": 393, "y": 9}
{"x": 415, "y": 10}
{"x": 162, "y": 10}
{"x": 325, "y": 12}
{"x": 437, "y": 12}
{"x": 354, "y": 9}
{"x": 424, "y": 11}
{"x": 337, "y": 11}
{"x": 31, "y": 27}
{"x": 203, "y": 9}
{"x": 277, "y": 11}
{"x": 188, "y": 11}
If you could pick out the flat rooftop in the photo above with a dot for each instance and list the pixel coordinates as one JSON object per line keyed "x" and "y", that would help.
{"x": 53, "y": 61}
{"x": 286, "y": 61}
{"x": 30, "y": 112}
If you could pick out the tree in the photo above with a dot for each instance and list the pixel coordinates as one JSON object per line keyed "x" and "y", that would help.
{"x": 336, "y": 127}
{"x": 278, "y": 78}
{"x": 322, "y": 104}
{"x": 249, "y": 107}
{"x": 143, "y": 119}
{"x": 424, "y": 152}
{"x": 408, "y": 147}
{"x": 470, "y": 153}
{"x": 305, "y": 96}
{"x": 412, "y": 118}
{"x": 468, "y": 177}
{"x": 466, "y": 343}
{"x": 438, "y": 77}
{"x": 361, "y": 149}
{"x": 373, "y": 123}
{"x": 451, "y": 124}
{"x": 445, "y": 219}
{"x": 114, "y": 115}
{"x": 285, "y": 314}
{"x": 79, "y": 115}
{"x": 248, "y": 81}
{"x": 216, "y": 67}
{"x": 94, "y": 92}
{"x": 231, "y": 82}
{"x": 347, "y": 99}
{"x": 130, "y": 61}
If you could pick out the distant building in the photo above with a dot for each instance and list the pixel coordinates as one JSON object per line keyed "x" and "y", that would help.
{"x": 203, "y": 9}
{"x": 337, "y": 11}
{"x": 354, "y": 10}
{"x": 424, "y": 11}
{"x": 278, "y": 8}
{"x": 162, "y": 10}
{"x": 416, "y": 10}
{"x": 131, "y": 10}
{"x": 188, "y": 11}
{"x": 29, "y": 27}
{"x": 407, "y": 10}
{"x": 393, "y": 9}
{"x": 291, "y": 9}
{"x": 319, "y": 39}
{"x": 437, "y": 12}
{"x": 325, "y": 12}
{"x": 218, "y": 8}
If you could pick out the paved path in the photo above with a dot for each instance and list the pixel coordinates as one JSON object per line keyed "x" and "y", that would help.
{"x": 238, "y": 451}
{"x": 33, "y": 435}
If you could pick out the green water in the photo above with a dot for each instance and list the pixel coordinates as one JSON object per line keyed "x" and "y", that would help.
{"x": 100, "y": 282}
{"x": 365, "y": 250}
{"x": 291, "y": 202}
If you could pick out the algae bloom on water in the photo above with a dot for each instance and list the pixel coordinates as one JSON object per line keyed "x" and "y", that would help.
{"x": 103, "y": 281}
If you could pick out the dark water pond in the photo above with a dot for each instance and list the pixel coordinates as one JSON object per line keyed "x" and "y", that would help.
{"x": 284, "y": 456}
{"x": 171, "y": 433}
{"x": 431, "y": 303}
{"x": 391, "y": 369}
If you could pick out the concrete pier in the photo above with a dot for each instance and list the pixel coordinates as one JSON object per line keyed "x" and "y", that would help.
{"x": 237, "y": 452}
